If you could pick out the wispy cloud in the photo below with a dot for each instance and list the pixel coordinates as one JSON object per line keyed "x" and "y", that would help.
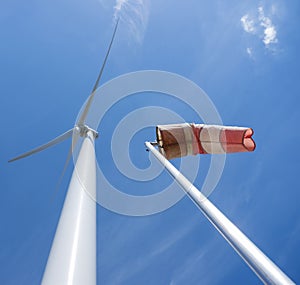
{"x": 139, "y": 263}
{"x": 209, "y": 257}
{"x": 261, "y": 26}
{"x": 135, "y": 14}
{"x": 174, "y": 237}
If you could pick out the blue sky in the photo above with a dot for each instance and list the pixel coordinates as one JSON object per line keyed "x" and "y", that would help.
{"x": 244, "y": 54}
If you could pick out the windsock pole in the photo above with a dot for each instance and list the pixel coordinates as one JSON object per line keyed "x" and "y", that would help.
{"x": 261, "y": 265}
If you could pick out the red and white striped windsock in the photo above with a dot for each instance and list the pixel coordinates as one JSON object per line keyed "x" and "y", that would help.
{"x": 190, "y": 139}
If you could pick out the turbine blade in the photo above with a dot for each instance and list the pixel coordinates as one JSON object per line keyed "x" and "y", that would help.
{"x": 70, "y": 152}
{"x": 55, "y": 141}
{"x": 106, "y": 57}
{"x": 91, "y": 97}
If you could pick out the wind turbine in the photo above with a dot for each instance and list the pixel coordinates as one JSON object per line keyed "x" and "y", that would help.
{"x": 72, "y": 259}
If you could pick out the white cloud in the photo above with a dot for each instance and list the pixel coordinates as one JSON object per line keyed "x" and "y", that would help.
{"x": 270, "y": 32}
{"x": 270, "y": 35}
{"x": 248, "y": 24}
{"x": 260, "y": 26}
{"x": 249, "y": 51}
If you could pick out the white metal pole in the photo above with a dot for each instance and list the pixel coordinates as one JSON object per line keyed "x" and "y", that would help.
{"x": 72, "y": 259}
{"x": 262, "y": 266}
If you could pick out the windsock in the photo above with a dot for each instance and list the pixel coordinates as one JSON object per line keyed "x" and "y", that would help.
{"x": 191, "y": 139}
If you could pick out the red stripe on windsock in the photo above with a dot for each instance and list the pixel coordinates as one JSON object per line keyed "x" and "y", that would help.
{"x": 197, "y": 146}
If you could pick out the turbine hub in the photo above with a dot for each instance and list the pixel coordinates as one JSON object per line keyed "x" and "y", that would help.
{"x": 84, "y": 129}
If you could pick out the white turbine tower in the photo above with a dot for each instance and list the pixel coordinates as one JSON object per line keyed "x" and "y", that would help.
{"x": 72, "y": 259}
